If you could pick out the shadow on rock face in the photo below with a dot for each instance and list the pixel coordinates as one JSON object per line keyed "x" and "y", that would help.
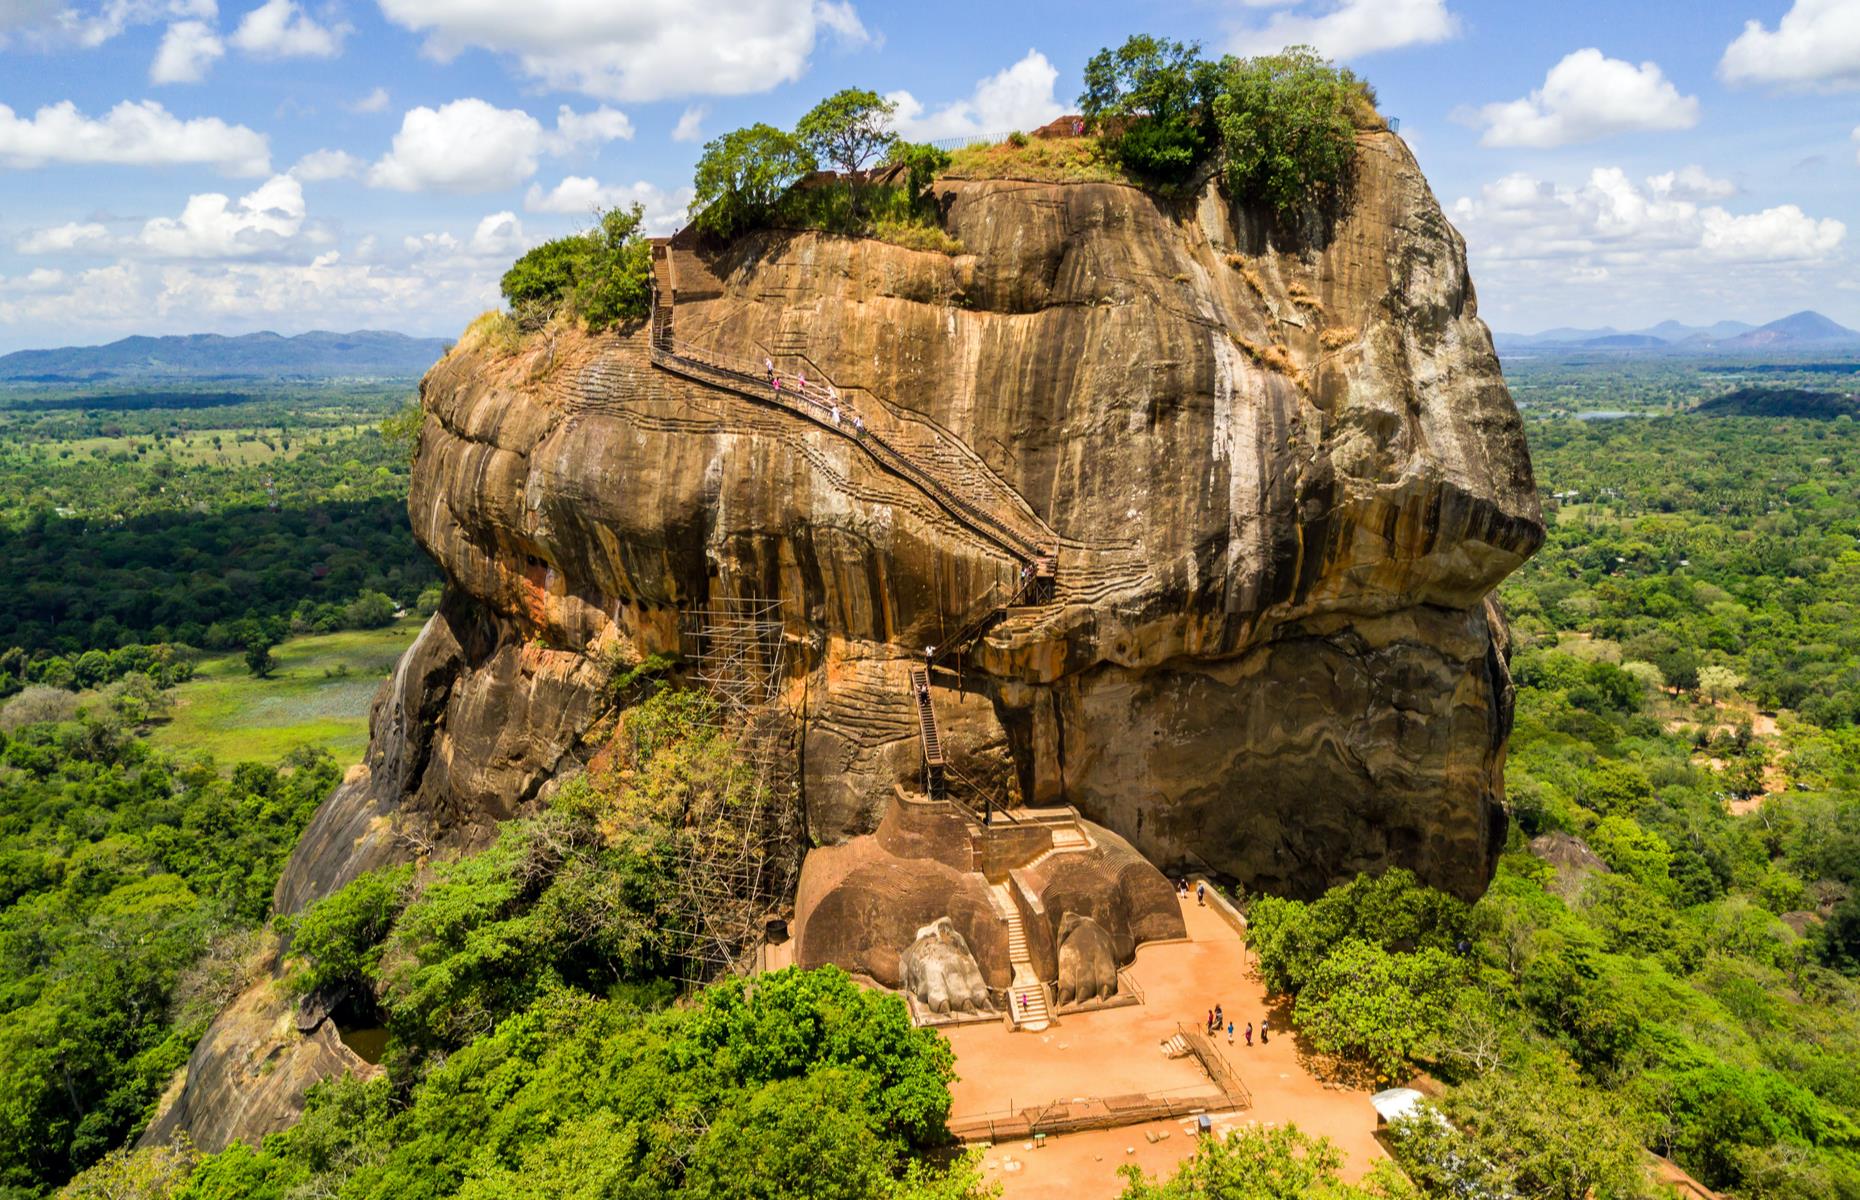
{"x": 940, "y": 972}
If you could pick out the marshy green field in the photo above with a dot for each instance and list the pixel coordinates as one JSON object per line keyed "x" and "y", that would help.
{"x": 318, "y": 695}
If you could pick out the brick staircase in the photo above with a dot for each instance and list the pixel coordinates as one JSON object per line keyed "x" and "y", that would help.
{"x": 1027, "y": 1005}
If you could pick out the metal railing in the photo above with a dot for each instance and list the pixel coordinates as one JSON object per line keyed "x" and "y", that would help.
{"x": 734, "y": 374}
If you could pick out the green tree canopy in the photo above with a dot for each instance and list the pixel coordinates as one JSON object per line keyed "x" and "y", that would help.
{"x": 848, "y": 129}
{"x": 743, "y": 175}
{"x": 1288, "y": 129}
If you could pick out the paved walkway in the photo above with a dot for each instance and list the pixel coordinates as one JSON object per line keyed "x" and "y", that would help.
{"x": 1116, "y": 1051}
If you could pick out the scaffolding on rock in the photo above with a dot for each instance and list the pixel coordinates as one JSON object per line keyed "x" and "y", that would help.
{"x": 739, "y": 849}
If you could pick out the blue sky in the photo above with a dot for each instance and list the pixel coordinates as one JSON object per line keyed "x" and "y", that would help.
{"x": 171, "y": 166}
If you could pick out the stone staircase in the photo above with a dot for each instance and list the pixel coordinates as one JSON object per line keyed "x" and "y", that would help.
{"x": 1027, "y": 1006}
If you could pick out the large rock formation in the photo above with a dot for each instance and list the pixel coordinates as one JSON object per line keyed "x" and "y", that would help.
{"x": 1282, "y": 481}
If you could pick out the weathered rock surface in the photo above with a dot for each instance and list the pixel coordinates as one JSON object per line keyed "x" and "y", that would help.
{"x": 1282, "y": 483}
{"x": 1087, "y": 961}
{"x": 939, "y": 971}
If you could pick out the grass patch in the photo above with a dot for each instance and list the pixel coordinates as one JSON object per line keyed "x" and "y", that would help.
{"x": 496, "y": 331}
{"x": 1048, "y": 160}
{"x": 1338, "y": 337}
{"x": 917, "y": 235}
{"x": 318, "y": 696}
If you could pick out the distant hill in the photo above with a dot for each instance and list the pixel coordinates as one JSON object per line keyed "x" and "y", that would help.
{"x": 1800, "y": 331}
{"x": 1797, "y": 329}
{"x": 371, "y": 353}
{"x": 1779, "y": 402}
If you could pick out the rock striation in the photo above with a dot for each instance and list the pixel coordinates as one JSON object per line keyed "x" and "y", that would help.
{"x": 1279, "y": 482}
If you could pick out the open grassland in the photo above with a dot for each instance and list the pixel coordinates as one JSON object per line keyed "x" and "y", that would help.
{"x": 318, "y": 696}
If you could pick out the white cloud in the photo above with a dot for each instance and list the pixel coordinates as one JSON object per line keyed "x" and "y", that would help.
{"x": 1610, "y": 221}
{"x": 280, "y": 29}
{"x": 187, "y": 50}
{"x": 53, "y": 24}
{"x": 138, "y": 134}
{"x": 320, "y": 165}
{"x": 581, "y": 196}
{"x": 499, "y": 235}
{"x": 1691, "y": 183}
{"x": 1816, "y": 44}
{"x": 642, "y": 49}
{"x": 1351, "y": 28}
{"x": 213, "y": 226}
{"x": 690, "y": 127}
{"x": 1589, "y": 96}
{"x": 374, "y": 102}
{"x": 471, "y": 146}
{"x": 65, "y": 239}
{"x": 1017, "y": 97}
{"x": 574, "y": 130}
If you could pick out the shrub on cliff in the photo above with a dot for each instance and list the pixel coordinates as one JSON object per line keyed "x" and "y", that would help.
{"x": 604, "y": 274}
{"x": 1281, "y": 127}
{"x": 1152, "y": 101}
{"x": 743, "y": 175}
{"x": 1288, "y": 127}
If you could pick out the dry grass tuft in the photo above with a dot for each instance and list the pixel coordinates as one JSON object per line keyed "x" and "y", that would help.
{"x": 1248, "y": 275}
{"x": 495, "y": 332}
{"x": 917, "y": 236}
{"x": 1048, "y": 160}
{"x": 1302, "y": 297}
{"x": 1338, "y": 336}
{"x": 1273, "y": 356}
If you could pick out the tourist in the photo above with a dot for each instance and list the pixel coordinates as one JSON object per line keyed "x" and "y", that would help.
{"x": 1210, "y": 1021}
{"x": 1201, "y": 894}
{"x": 1230, "y": 1033}
{"x": 1219, "y": 1016}
{"x": 1264, "y": 1025}
{"x": 836, "y": 414}
{"x": 929, "y": 657}
{"x": 858, "y": 425}
{"x": 777, "y": 385}
{"x": 1249, "y": 1033}
{"x": 800, "y": 385}
{"x": 768, "y": 369}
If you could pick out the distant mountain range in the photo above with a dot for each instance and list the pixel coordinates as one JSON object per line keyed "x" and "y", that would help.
{"x": 1799, "y": 331}
{"x": 318, "y": 354}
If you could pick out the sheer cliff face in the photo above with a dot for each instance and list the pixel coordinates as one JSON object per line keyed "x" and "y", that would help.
{"x": 1282, "y": 485}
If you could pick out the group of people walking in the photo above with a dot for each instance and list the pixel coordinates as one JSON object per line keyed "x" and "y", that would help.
{"x": 831, "y": 403}
{"x": 1217, "y": 1020}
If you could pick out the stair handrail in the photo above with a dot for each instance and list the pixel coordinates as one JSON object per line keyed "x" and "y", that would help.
{"x": 671, "y": 354}
{"x": 992, "y": 804}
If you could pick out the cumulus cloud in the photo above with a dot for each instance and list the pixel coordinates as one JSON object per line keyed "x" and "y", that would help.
{"x": 320, "y": 165}
{"x": 137, "y": 134}
{"x": 186, "y": 51}
{"x": 574, "y": 130}
{"x": 1588, "y": 96}
{"x": 280, "y": 29}
{"x": 374, "y": 102}
{"x": 499, "y": 235}
{"x": 690, "y": 127}
{"x": 1816, "y": 44}
{"x": 1691, "y": 183}
{"x": 1351, "y": 28}
{"x": 472, "y": 146}
{"x": 71, "y": 237}
{"x": 214, "y": 226}
{"x": 61, "y": 23}
{"x": 641, "y": 50}
{"x": 579, "y": 195}
{"x": 1017, "y": 97}
{"x": 1610, "y": 220}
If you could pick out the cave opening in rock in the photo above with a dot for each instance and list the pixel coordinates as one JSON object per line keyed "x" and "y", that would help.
{"x": 360, "y": 1025}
